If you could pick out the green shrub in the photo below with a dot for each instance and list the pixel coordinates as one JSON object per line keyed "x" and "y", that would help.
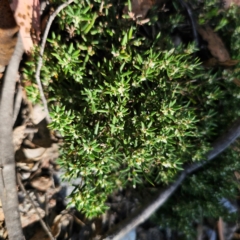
{"x": 132, "y": 110}
{"x": 198, "y": 200}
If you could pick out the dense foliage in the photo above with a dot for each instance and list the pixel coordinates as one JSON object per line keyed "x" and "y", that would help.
{"x": 202, "y": 197}
{"x": 133, "y": 108}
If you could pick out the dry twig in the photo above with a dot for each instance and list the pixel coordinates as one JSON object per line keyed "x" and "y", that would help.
{"x": 40, "y": 59}
{"x": 44, "y": 226}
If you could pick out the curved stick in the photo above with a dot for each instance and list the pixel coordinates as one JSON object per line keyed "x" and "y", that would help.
{"x": 40, "y": 59}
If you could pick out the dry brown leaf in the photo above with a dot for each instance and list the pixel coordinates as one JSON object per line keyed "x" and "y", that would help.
{"x": 18, "y": 136}
{"x": 50, "y": 153}
{"x": 27, "y": 15}
{"x": 215, "y": 44}
{"x": 61, "y": 223}
{"x": 8, "y": 30}
{"x": 37, "y": 154}
{"x": 56, "y": 229}
{"x": 34, "y": 154}
{"x": 30, "y": 166}
{"x": 31, "y": 217}
{"x": 42, "y": 182}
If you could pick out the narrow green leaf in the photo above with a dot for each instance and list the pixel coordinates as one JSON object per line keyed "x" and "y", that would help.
{"x": 96, "y": 128}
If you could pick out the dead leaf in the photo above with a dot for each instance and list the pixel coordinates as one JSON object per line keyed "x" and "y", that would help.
{"x": 31, "y": 217}
{"x": 61, "y": 223}
{"x": 56, "y": 229}
{"x": 18, "y": 136}
{"x": 42, "y": 182}
{"x": 30, "y": 166}
{"x": 34, "y": 154}
{"x": 29, "y": 155}
{"x": 8, "y": 33}
{"x": 37, "y": 114}
{"x": 50, "y": 153}
{"x": 27, "y": 15}
{"x": 215, "y": 44}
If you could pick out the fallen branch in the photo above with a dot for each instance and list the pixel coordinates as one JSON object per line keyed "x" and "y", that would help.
{"x": 40, "y": 59}
{"x": 148, "y": 209}
{"x": 8, "y": 189}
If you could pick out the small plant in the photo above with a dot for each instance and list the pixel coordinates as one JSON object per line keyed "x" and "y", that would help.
{"x": 132, "y": 110}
